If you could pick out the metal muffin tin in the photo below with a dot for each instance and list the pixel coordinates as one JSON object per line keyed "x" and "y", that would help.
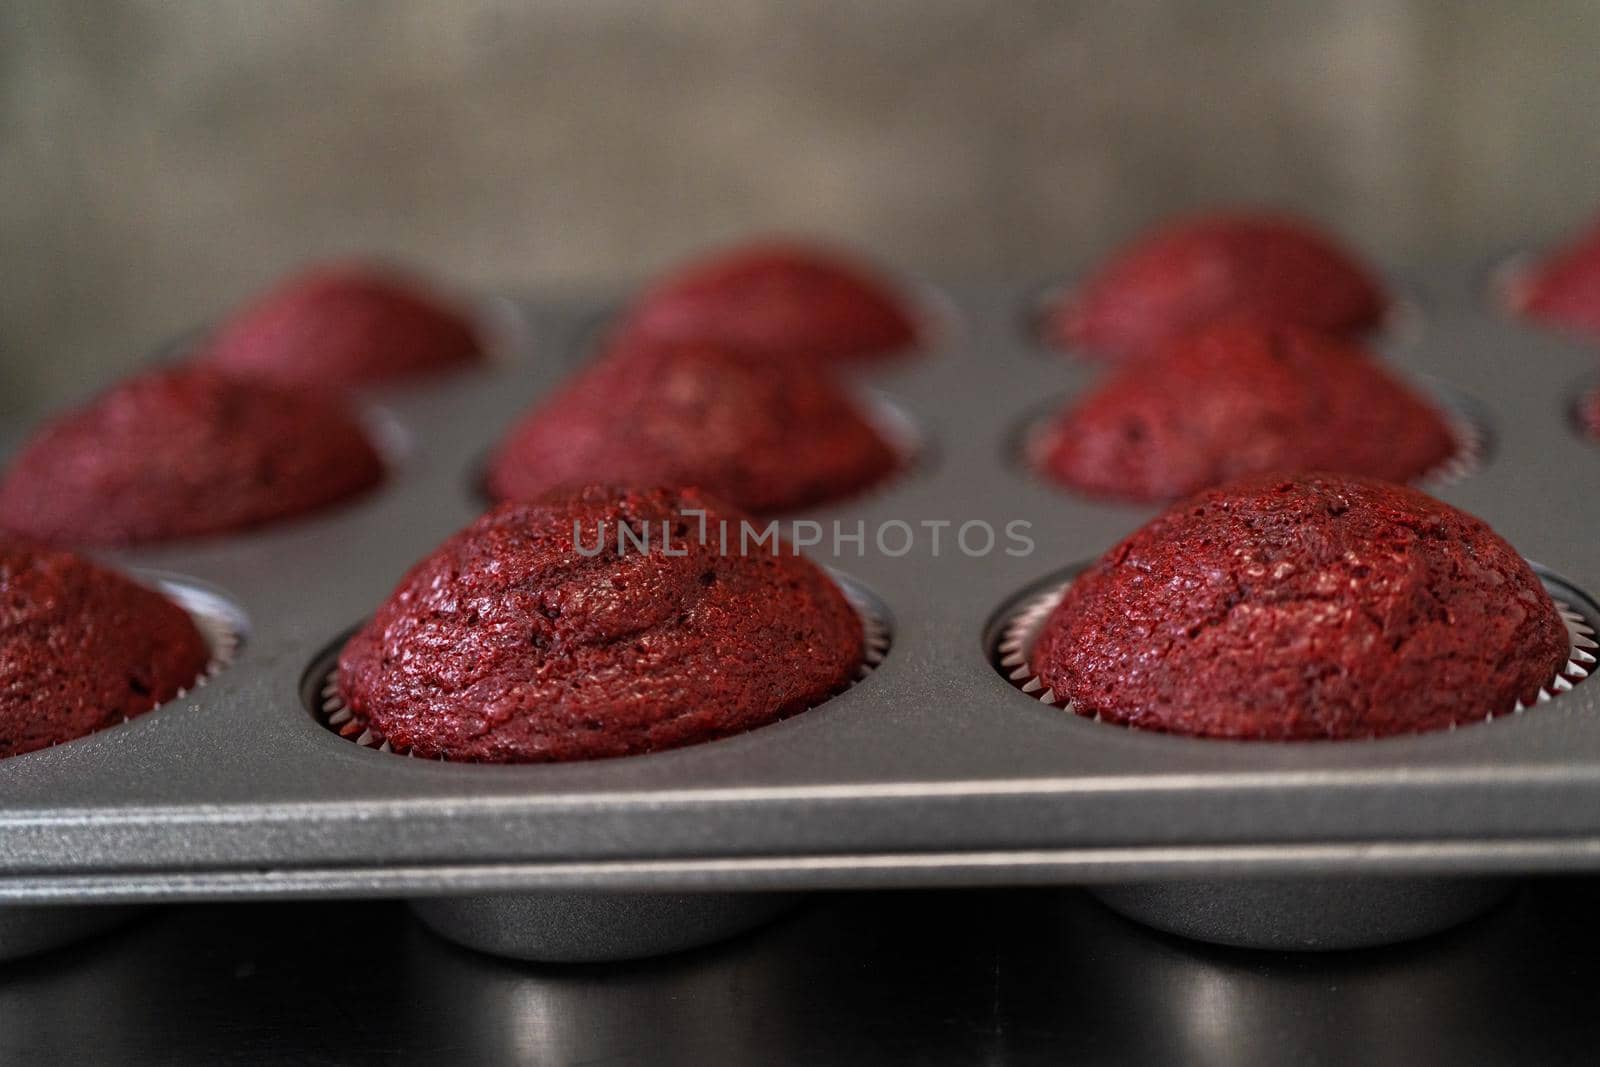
{"x": 934, "y": 771}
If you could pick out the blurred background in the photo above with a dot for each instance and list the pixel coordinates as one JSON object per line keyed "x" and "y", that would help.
{"x": 161, "y": 161}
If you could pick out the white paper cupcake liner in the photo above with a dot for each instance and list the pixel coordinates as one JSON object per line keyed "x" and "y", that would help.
{"x": 900, "y": 429}
{"x": 221, "y": 625}
{"x": 1472, "y": 445}
{"x": 336, "y": 716}
{"x": 1015, "y": 651}
{"x": 388, "y": 433}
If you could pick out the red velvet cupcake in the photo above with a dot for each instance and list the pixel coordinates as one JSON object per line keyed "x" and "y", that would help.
{"x": 788, "y": 301}
{"x": 530, "y": 636}
{"x": 83, "y": 648}
{"x": 185, "y": 452}
{"x": 1239, "y": 397}
{"x": 1169, "y": 282}
{"x": 1313, "y": 607}
{"x": 342, "y": 325}
{"x": 1564, "y": 288}
{"x": 764, "y": 437}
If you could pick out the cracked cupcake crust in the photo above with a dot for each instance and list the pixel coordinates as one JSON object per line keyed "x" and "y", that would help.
{"x": 1301, "y": 608}
{"x": 510, "y": 645}
{"x": 83, "y": 648}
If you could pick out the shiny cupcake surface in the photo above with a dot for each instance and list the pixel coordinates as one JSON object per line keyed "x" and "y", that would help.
{"x": 1308, "y": 607}
{"x": 543, "y": 632}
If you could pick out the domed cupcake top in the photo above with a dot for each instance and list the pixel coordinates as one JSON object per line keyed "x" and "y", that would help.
{"x": 184, "y": 452}
{"x": 83, "y": 648}
{"x": 1185, "y": 273}
{"x": 1317, "y": 606}
{"x": 344, "y": 324}
{"x": 1563, "y": 289}
{"x": 1238, "y": 397}
{"x": 543, "y": 632}
{"x": 787, "y": 300}
{"x": 764, "y": 437}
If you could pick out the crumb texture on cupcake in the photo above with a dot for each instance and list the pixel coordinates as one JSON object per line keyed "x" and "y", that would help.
{"x": 763, "y": 437}
{"x": 344, "y": 324}
{"x": 782, "y": 299}
{"x": 1301, "y": 608}
{"x": 1238, "y": 397}
{"x": 1190, "y": 271}
{"x": 517, "y": 642}
{"x": 185, "y": 452}
{"x": 83, "y": 648}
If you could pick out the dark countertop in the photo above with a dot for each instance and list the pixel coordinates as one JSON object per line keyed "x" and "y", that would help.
{"x": 932, "y": 977}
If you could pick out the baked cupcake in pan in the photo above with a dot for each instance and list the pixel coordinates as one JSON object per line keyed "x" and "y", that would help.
{"x": 345, "y": 324}
{"x": 764, "y": 437}
{"x": 1187, "y": 272}
{"x": 1314, "y": 606}
{"x": 1243, "y": 396}
{"x": 544, "y": 631}
{"x": 83, "y": 647}
{"x": 185, "y": 451}
{"x": 1562, "y": 288}
{"x": 787, "y": 300}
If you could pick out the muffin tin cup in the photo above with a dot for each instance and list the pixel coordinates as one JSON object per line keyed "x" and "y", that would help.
{"x": 570, "y": 927}
{"x": 1289, "y": 914}
{"x": 1305, "y": 915}
{"x": 583, "y": 927}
